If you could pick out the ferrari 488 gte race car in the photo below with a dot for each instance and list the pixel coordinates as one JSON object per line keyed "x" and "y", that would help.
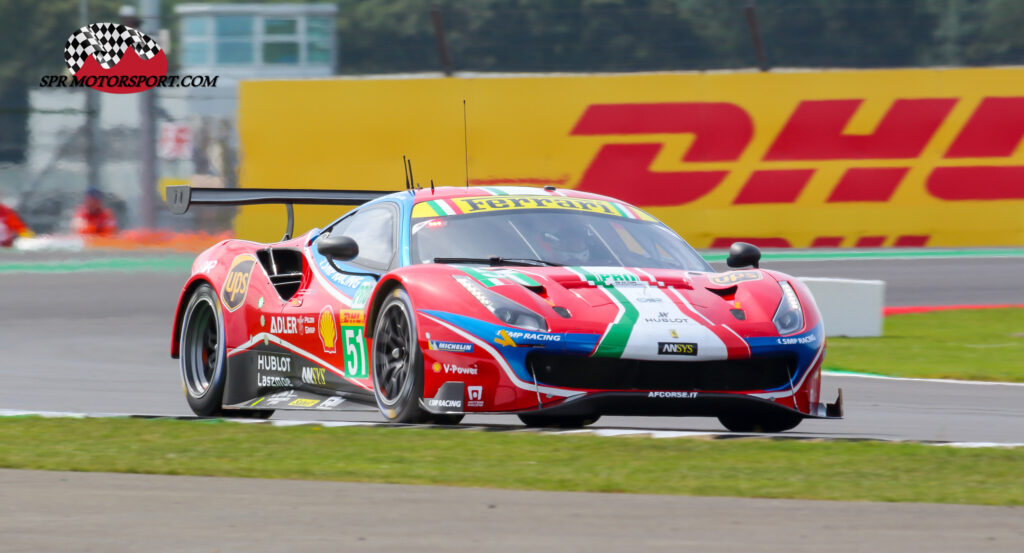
{"x": 555, "y": 305}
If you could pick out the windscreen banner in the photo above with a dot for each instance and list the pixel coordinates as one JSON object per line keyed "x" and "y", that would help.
{"x": 851, "y": 159}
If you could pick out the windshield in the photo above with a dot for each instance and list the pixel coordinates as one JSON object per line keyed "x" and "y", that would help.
{"x": 553, "y": 236}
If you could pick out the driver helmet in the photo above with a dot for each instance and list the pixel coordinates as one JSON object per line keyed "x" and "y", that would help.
{"x": 566, "y": 244}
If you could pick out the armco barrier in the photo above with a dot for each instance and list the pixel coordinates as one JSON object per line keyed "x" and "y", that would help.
{"x": 917, "y": 157}
{"x": 849, "y": 307}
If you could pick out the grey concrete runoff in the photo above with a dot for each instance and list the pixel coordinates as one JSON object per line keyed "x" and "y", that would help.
{"x": 100, "y": 512}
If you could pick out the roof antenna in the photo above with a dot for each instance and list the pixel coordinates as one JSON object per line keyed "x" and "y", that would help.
{"x": 405, "y": 167}
{"x": 465, "y": 139}
{"x": 431, "y": 186}
{"x": 412, "y": 179}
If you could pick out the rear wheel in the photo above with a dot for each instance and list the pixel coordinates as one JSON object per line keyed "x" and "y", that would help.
{"x": 560, "y": 421}
{"x": 744, "y": 422}
{"x": 398, "y": 362}
{"x": 202, "y": 357}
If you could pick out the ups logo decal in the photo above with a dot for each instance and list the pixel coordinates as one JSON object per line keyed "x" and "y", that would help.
{"x": 236, "y": 284}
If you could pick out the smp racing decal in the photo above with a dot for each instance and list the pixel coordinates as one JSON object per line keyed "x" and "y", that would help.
{"x": 236, "y": 285}
{"x": 732, "y": 277}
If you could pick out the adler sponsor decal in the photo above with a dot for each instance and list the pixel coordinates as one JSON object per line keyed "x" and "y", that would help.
{"x": 284, "y": 325}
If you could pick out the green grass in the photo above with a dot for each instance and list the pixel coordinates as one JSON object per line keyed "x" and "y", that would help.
{"x": 749, "y": 468}
{"x": 972, "y": 344}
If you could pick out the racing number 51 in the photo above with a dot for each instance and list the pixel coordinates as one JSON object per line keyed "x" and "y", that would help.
{"x": 355, "y": 353}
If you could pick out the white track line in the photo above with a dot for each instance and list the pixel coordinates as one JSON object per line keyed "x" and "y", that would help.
{"x": 599, "y": 432}
{"x": 936, "y": 380}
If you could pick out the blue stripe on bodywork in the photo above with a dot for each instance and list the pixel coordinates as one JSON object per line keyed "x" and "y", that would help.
{"x": 805, "y": 346}
{"x": 568, "y": 343}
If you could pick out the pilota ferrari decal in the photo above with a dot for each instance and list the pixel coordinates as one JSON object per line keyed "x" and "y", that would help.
{"x": 732, "y": 277}
{"x": 456, "y": 206}
{"x": 236, "y": 284}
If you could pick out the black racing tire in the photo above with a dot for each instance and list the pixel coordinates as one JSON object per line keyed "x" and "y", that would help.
{"x": 203, "y": 360}
{"x": 558, "y": 421}
{"x": 745, "y": 422}
{"x": 397, "y": 362}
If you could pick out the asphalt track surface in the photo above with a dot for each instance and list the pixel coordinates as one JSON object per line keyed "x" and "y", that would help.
{"x": 98, "y": 342}
{"x": 103, "y": 513}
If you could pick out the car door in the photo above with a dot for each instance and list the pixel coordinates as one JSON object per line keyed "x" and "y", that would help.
{"x": 333, "y": 306}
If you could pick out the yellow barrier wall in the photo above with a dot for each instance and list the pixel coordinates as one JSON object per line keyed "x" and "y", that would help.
{"x": 835, "y": 158}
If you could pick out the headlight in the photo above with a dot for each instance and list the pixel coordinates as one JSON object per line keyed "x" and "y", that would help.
{"x": 506, "y": 310}
{"x": 789, "y": 317}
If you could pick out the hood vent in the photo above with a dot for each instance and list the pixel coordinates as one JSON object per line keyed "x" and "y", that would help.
{"x": 726, "y": 293}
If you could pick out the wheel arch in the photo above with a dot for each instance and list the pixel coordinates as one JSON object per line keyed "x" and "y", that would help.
{"x": 387, "y": 285}
{"x": 179, "y": 312}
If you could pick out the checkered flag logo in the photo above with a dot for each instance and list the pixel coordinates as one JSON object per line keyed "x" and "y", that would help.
{"x": 107, "y": 42}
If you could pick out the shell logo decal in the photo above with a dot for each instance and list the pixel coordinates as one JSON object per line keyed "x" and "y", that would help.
{"x": 328, "y": 329}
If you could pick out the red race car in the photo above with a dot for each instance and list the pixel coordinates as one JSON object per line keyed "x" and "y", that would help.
{"x": 555, "y": 305}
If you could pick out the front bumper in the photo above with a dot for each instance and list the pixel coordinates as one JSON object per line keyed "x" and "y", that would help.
{"x": 682, "y": 404}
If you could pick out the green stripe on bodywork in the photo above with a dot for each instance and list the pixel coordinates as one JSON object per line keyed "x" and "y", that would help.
{"x": 615, "y": 339}
{"x": 437, "y": 208}
{"x": 519, "y": 278}
{"x": 484, "y": 278}
{"x": 495, "y": 191}
{"x": 163, "y": 264}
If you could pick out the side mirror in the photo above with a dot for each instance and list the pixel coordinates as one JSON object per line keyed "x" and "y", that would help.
{"x": 742, "y": 254}
{"x": 341, "y": 247}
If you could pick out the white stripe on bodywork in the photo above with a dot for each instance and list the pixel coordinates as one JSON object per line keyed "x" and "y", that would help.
{"x": 325, "y": 283}
{"x": 644, "y": 336}
{"x": 652, "y": 328}
{"x": 294, "y": 349}
{"x": 519, "y": 383}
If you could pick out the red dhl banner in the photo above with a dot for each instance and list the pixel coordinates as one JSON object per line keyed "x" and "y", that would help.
{"x": 802, "y": 159}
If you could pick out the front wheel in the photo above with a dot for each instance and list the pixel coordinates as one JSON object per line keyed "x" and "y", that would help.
{"x": 778, "y": 422}
{"x": 558, "y": 421}
{"x": 398, "y": 362}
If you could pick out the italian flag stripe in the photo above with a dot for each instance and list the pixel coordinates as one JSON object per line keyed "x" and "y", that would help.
{"x": 615, "y": 338}
{"x": 439, "y": 208}
{"x": 495, "y": 191}
{"x": 520, "y": 278}
{"x": 484, "y": 278}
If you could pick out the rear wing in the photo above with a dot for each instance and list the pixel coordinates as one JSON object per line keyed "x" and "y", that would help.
{"x": 180, "y": 198}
